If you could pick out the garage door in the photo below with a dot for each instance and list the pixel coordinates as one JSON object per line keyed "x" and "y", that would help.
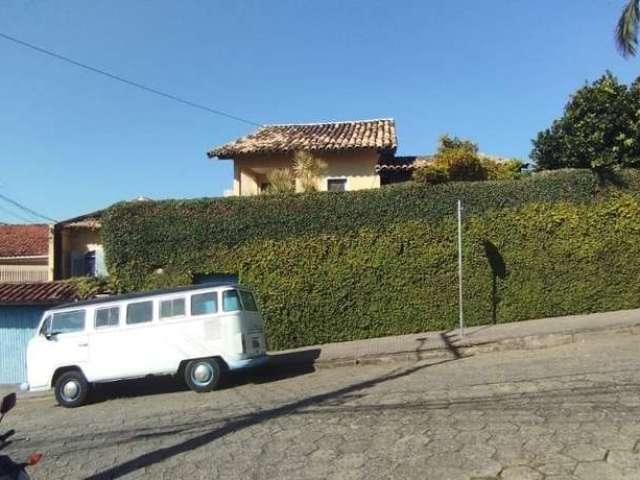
{"x": 17, "y": 326}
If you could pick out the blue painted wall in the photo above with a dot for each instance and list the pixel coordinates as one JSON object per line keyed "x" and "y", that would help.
{"x": 17, "y": 326}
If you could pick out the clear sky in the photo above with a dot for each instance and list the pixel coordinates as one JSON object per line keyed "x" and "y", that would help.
{"x": 495, "y": 71}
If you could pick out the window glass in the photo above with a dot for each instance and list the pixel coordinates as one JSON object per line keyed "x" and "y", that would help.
{"x": 248, "y": 301}
{"x": 107, "y": 317}
{"x": 68, "y": 322}
{"x": 140, "y": 312}
{"x": 230, "y": 301}
{"x": 204, "y": 303}
{"x": 337, "y": 184}
{"x": 172, "y": 308}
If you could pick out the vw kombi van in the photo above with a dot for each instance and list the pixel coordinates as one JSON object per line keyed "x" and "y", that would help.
{"x": 198, "y": 332}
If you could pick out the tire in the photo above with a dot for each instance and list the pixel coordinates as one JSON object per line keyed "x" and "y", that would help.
{"x": 71, "y": 389}
{"x": 203, "y": 375}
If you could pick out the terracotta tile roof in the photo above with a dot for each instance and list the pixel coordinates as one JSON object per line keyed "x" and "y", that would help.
{"x": 391, "y": 163}
{"x": 334, "y": 136}
{"x": 37, "y": 293}
{"x": 89, "y": 220}
{"x": 24, "y": 240}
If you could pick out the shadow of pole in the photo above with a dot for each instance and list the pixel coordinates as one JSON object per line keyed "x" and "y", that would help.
{"x": 246, "y": 421}
{"x": 498, "y": 270}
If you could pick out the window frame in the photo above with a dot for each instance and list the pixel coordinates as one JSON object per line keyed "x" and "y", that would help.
{"x": 172, "y": 299}
{"x": 107, "y": 327}
{"x": 215, "y": 293}
{"x": 341, "y": 179}
{"x": 135, "y": 324}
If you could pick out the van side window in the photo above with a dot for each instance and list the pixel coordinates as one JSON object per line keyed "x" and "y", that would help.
{"x": 230, "y": 301}
{"x": 139, "y": 312}
{"x": 204, "y": 303}
{"x": 248, "y": 301}
{"x": 68, "y": 322}
{"x": 107, "y": 317}
{"x": 172, "y": 308}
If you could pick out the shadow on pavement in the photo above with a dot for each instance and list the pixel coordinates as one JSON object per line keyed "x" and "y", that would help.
{"x": 282, "y": 366}
{"x": 249, "y": 420}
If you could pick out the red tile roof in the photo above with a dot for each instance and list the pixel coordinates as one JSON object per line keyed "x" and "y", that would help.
{"x": 24, "y": 240}
{"x": 37, "y": 293}
{"x": 334, "y": 136}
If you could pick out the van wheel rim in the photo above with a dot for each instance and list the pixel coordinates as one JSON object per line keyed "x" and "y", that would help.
{"x": 71, "y": 391}
{"x": 202, "y": 374}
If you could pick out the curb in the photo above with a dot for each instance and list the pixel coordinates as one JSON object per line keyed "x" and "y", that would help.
{"x": 457, "y": 348}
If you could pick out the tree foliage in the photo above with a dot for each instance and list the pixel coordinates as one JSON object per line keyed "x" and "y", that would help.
{"x": 458, "y": 159}
{"x": 598, "y": 129}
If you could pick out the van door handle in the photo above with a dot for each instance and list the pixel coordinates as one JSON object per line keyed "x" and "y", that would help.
{"x": 83, "y": 344}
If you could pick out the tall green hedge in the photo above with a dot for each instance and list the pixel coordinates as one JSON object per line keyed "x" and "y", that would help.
{"x": 342, "y": 266}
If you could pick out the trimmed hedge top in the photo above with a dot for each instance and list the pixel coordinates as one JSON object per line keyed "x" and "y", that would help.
{"x": 129, "y": 227}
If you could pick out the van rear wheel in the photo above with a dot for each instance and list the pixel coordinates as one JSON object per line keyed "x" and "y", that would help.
{"x": 71, "y": 389}
{"x": 203, "y": 375}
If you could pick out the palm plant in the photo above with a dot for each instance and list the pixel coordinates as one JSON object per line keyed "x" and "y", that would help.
{"x": 307, "y": 169}
{"x": 281, "y": 180}
{"x": 627, "y": 29}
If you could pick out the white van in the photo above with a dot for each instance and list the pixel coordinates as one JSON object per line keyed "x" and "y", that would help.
{"x": 199, "y": 332}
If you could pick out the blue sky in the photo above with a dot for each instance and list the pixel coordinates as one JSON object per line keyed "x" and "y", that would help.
{"x": 495, "y": 71}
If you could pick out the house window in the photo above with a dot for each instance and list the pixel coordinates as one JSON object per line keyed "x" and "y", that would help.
{"x": 336, "y": 184}
{"x": 264, "y": 187}
{"x": 172, "y": 308}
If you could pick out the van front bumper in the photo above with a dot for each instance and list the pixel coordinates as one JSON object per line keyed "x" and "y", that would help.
{"x": 248, "y": 362}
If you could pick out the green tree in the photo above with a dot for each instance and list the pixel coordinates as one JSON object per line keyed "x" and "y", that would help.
{"x": 627, "y": 29}
{"x": 457, "y": 159}
{"x": 598, "y": 128}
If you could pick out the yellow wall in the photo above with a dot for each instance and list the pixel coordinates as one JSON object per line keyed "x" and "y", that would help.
{"x": 358, "y": 167}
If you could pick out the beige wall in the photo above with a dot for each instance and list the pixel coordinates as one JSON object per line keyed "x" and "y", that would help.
{"x": 80, "y": 240}
{"x": 24, "y": 269}
{"x": 358, "y": 167}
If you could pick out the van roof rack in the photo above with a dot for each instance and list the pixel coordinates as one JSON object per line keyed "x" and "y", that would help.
{"x": 129, "y": 296}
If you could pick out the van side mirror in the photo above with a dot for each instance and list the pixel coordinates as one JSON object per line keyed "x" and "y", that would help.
{"x": 8, "y": 403}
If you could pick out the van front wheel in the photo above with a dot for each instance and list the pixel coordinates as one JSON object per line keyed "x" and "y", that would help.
{"x": 71, "y": 389}
{"x": 202, "y": 375}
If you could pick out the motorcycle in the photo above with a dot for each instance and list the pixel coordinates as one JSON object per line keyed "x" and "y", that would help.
{"x": 10, "y": 470}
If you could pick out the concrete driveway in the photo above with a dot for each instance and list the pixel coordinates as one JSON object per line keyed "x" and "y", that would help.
{"x": 568, "y": 412}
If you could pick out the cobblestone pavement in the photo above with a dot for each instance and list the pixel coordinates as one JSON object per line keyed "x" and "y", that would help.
{"x": 569, "y": 412}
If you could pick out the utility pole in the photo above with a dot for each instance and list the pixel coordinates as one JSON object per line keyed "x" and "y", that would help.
{"x": 461, "y": 311}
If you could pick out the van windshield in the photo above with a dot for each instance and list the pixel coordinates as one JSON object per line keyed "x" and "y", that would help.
{"x": 248, "y": 301}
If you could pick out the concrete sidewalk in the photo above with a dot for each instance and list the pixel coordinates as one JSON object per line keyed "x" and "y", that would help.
{"x": 530, "y": 334}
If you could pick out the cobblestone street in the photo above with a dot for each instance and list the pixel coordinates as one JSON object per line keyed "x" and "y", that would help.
{"x": 569, "y": 412}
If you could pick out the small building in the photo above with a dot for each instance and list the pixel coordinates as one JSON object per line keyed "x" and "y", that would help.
{"x": 78, "y": 248}
{"x": 351, "y": 151}
{"x": 394, "y": 169}
{"x": 24, "y": 253}
{"x": 21, "y": 308}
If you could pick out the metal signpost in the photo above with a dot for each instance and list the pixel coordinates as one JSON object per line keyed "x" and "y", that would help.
{"x": 460, "y": 267}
